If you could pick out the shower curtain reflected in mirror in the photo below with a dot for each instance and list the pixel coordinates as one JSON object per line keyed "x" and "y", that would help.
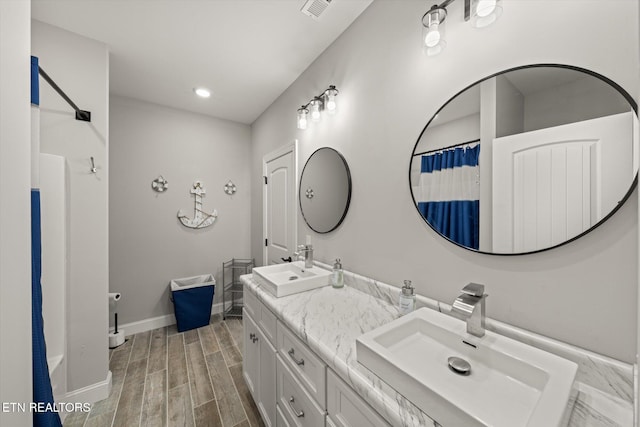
{"x": 448, "y": 194}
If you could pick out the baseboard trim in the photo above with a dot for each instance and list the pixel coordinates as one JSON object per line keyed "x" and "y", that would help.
{"x": 157, "y": 322}
{"x": 91, "y": 393}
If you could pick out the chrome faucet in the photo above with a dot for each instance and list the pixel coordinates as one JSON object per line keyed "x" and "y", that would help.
{"x": 470, "y": 306}
{"x": 306, "y": 251}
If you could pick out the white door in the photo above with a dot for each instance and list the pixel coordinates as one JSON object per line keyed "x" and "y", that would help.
{"x": 280, "y": 205}
{"x": 552, "y": 184}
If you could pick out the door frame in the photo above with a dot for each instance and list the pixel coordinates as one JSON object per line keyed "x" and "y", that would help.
{"x": 293, "y": 147}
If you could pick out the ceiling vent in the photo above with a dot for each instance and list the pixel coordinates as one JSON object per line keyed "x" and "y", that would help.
{"x": 315, "y": 8}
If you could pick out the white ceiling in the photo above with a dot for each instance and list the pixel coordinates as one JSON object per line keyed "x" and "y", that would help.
{"x": 246, "y": 51}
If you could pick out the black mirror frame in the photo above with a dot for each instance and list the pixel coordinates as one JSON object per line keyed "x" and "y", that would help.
{"x": 613, "y": 84}
{"x": 346, "y": 208}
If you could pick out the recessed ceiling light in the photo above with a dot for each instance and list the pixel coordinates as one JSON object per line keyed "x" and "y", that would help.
{"x": 202, "y": 92}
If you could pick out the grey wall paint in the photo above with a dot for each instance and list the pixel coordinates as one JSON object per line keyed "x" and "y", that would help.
{"x": 579, "y": 293}
{"x": 583, "y": 99}
{"x": 509, "y": 108}
{"x": 80, "y": 66}
{"x": 15, "y": 205}
{"x": 148, "y": 244}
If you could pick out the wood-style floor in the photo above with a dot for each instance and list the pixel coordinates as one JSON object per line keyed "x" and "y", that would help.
{"x": 166, "y": 378}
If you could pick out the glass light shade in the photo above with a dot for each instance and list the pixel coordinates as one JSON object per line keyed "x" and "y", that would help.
{"x": 433, "y": 31}
{"x": 433, "y": 36}
{"x": 485, "y": 12}
{"x": 330, "y": 99}
{"x": 302, "y": 118}
{"x": 315, "y": 110}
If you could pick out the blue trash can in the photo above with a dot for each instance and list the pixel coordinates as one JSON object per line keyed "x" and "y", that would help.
{"x": 192, "y": 299}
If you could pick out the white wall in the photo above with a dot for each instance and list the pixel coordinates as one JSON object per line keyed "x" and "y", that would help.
{"x": 53, "y": 207}
{"x": 15, "y": 208}
{"x": 148, "y": 244}
{"x": 583, "y": 293}
{"x": 454, "y": 132}
{"x": 582, "y": 99}
{"x": 509, "y": 108}
{"x": 80, "y": 66}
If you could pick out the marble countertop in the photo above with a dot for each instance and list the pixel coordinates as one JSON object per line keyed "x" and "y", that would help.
{"x": 329, "y": 320}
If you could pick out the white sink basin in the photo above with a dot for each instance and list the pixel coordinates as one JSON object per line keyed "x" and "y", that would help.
{"x": 290, "y": 278}
{"x": 511, "y": 384}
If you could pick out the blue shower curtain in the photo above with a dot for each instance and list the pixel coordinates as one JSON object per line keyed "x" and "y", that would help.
{"x": 448, "y": 195}
{"x": 42, "y": 393}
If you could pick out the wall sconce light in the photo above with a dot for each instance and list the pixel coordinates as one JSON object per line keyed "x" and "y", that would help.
{"x": 485, "y": 12}
{"x": 481, "y": 13}
{"x": 316, "y": 104}
{"x": 303, "y": 112}
{"x": 433, "y": 30}
{"x": 330, "y": 96}
{"x": 325, "y": 101}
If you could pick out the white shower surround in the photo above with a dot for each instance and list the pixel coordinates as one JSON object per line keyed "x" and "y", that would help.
{"x": 53, "y": 207}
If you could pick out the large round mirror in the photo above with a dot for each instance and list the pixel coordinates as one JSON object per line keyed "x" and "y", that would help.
{"x": 325, "y": 190}
{"x": 526, "y": 160}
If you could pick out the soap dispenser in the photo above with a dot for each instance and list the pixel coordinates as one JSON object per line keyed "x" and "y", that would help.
{"x": 338, "y": 275}
{"x": 407, "y": 299}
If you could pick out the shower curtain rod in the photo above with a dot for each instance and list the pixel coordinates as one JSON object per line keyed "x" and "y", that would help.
{"x": 82, "y": 115}
{"x": 446, "y": 148}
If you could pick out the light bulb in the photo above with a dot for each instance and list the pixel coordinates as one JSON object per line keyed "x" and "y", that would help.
{"x": 486, "y": 12}
{"x": 330, "y": 99}
{"x": 485, "y": 7}
{"x": 331, "y": 103}
{"x": 302, "y": 118}
{"x": 433, "y": 36}
{"x": 315, "y": 110}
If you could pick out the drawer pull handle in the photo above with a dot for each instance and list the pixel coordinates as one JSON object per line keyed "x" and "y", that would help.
{"x": 299, "y": 414}
{"x": 292, "y": 353}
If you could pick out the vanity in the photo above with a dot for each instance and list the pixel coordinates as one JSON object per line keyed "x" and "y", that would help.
{"x": 299, "y": 349}
{"x": 520, "y": 162}
{"x": 301, "y": 363}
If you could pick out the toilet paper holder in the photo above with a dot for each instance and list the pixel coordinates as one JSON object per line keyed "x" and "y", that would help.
{"x": 116, "y": 338}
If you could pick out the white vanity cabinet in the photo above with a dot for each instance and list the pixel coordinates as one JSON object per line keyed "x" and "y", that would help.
{"x": 298, "y": 406}
{"x": 303, "y": 362}
{"x": 291, "y": 385}
{"x": 301, "y": 381}
{"x": 259, "y": 359}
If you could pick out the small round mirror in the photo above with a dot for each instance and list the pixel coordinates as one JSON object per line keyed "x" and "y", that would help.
{"x": 325, "y": 190}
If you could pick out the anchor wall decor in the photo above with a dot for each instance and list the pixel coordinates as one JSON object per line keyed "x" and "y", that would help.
{"x": 201, "y": 219}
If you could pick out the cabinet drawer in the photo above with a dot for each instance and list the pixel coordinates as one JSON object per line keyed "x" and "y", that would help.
{"x": 297, "y": 405}
{"x": 308, "y": 368}
{"x": 261, "y": 314}
{"x": 346, "y": 408}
